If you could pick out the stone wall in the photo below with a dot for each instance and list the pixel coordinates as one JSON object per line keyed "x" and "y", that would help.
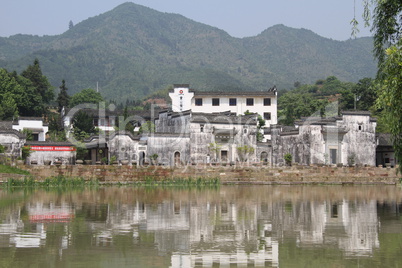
{"x": 227, "y": 174}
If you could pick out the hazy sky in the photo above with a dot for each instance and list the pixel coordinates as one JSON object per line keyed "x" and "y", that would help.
{"x": 328, "y": 18}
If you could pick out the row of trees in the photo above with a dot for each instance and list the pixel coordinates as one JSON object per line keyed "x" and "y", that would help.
{"x": 30, "y": 94}
{"x": 314, "y": 100}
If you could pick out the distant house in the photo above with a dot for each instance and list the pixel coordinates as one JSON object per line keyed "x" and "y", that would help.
{"x": 105, "y": 120}
{"x": 12, "y": 140}
{"x": 346, "y": 140}
{"x": 35, "y": 125}
{"x": 263, "y": 103}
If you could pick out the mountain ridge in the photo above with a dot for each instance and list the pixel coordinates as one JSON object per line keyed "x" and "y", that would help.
{"x": 132, "y": 51}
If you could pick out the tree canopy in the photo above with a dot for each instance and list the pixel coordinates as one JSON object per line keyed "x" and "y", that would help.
{"x": 39, "y": 81}
{"x": 28, "y": 101}
{"x": 86, "y": 96}
{"x": 387, "y": 29}
{"x": 63, "y": 99}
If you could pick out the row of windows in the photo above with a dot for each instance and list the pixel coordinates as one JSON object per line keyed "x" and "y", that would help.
{"x": 108, "y": 122}
{"x": 232, "y": 101}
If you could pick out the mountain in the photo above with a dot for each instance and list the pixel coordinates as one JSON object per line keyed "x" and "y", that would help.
{"x": 132, "y": 51}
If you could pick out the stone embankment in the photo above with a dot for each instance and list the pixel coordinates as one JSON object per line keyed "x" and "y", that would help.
{"x": 253, "y": 174}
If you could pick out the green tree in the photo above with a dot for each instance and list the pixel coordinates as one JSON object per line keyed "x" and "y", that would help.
{"x": 28, "y": 102}
{"x": 147, "y": 127}
{"x": 390, "y": 96}
{"x": 86, "y": 96}
{"x": 83, "y": 125}
{"x": 387, "y": 29}
{"x": 244, "y": 152}
{"x": 8, "y": 107}
{"x": 294, "y": 105}
{"x": 365, "y": 94}
{"x": 63, "y": 99}
{"x": 39, "y": 81}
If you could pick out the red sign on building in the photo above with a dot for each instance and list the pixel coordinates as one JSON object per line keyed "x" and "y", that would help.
{"x": 54, "y": 148}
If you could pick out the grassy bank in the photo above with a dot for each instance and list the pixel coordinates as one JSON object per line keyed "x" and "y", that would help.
{"x": 61, "y": 181}
{"x": 151, "y": 181}
{"x": 12, "y": 170}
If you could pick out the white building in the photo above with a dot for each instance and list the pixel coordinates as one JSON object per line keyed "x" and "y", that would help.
{"x": 33, "y": 124}
{"x": 262, "y": 102}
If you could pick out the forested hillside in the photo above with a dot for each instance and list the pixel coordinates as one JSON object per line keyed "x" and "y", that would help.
{"x": 133, "y": 51}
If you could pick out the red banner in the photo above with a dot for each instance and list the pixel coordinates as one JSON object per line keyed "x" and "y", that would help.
{"x": 53, "y": 148}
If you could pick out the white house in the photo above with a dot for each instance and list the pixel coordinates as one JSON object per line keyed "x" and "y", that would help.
{"x": 33, "y": 124}
{"x": 262, "y": 102}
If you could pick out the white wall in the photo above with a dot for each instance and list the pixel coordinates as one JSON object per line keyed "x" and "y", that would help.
{"x": 241, "y": 106}
{"x": 33, "y": 124}
{"x": 181, "y": 99}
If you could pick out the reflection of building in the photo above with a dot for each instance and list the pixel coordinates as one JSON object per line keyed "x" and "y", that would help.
{"x": 350, "y": 226}
{"x": 207, "y": 232}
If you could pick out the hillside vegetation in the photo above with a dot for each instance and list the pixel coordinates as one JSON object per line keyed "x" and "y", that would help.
{"x": 133, "y": 51}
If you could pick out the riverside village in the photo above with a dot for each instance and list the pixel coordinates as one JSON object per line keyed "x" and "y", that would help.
{"x": 203, "y": 128}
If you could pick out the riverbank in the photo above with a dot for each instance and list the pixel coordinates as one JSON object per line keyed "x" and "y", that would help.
{"x": 253, "y": 174}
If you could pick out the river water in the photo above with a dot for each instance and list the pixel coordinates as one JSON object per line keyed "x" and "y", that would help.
{"x": 226, "y": 226}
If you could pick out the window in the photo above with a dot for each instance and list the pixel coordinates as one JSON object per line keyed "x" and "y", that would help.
{"x": 360, "y": 127}
{"x": 267, "y": 101}
{"x": 198, "y": 102}
{"x": 267, "y": 116}
{"x": 232, "y": 102}
{"x": 201, "y": 128}
{"x": 215, "y": 102}
{"x": 250, "y": 102}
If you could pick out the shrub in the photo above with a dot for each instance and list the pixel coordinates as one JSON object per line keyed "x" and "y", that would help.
{"x": 288, "y": 159}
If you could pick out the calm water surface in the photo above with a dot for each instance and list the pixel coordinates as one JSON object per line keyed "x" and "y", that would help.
{"x": 229, "y": 226}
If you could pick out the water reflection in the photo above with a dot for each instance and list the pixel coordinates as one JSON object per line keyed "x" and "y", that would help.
{"x": 230, "y": 226}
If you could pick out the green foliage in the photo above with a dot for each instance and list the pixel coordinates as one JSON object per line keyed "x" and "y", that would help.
{"x": 113, "y": 159}
{"x": 288, "y": 159}
{"x": 12, "y": 170}
{"x": 63, "y": 99}
{"x": 86, "y": 96}
{"x": 83, "y": 125}
{"x": 387, "y": 29}
{"x": 8, "y": 107}
{"x": 82, "y": 152}
{"x": 39, "y": 81}
{"x": 365, "y": 93}
{"x": 26, "y": 152}
{"x": 244, "y": 152}
{"x": 28, "y": 134}
{"x": 313, "y": 100}
{"x": 390, "y": 96}
{"x": 2, "y": 149}
{"x": 147, "y": 127}
{"x": 21, "y": 90}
